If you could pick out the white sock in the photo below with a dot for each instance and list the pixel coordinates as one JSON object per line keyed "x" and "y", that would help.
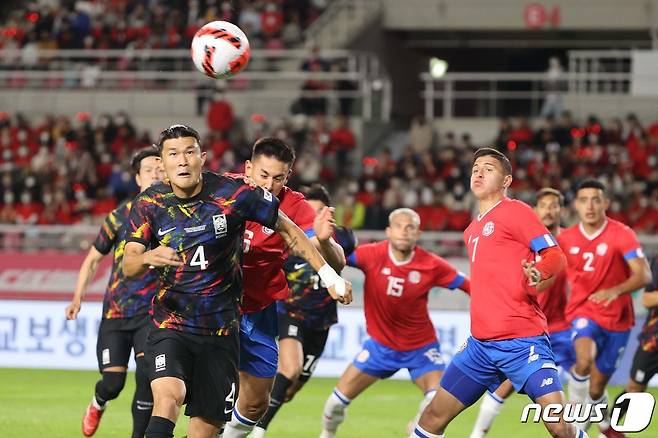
{"x": 605, "y": 424}
{"x": 489, "y": 410}
{"x": 334, "y": 412}
{"x": 429, "y": 395}
{"x": 97, "y": 405}
{"x": 419, "y": 432}
{"x": 578, "y": 388}
{"x": 258, "y": 432}
{"x": 239, "y": 426}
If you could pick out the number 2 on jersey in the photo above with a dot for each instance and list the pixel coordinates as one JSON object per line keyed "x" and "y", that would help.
{"x": 589, "y": 258}
{"x": 199, "y": 258}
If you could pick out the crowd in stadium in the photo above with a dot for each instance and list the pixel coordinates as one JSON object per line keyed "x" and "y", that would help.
{"x": 118, "y": 24}
{"x": 63, "y": 170}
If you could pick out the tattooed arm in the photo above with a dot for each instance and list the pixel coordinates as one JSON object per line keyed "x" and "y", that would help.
{"x": 299, "y": 244}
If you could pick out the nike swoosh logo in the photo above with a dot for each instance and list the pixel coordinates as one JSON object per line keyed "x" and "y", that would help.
{"x": 162, "y": 232}
{"x": 299, "y": 265}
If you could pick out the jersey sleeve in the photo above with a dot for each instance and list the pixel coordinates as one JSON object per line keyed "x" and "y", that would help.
{"x": 258, "y": 205}
{"x": 304, "y": 216}
{"x": 628, "y": 244}
{"x": 346, "y": 239}
{"x": 140, "y": 222}
{"x": 361, "y": 256}
{"x": 107, "y": 235}
{"x": 528, "y": 229}
{"x": 446, "y": 275}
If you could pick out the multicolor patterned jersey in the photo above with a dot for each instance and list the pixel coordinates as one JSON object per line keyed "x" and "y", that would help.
{"x": 207, "y": 231}
{"x": 308, "y": 300}
{"x": 124, "y": 297}
{"x": 649, "y": 336}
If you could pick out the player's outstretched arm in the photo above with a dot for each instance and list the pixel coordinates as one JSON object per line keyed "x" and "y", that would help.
{"x": 136, "y": 259}
{"x": 324, "y": 226}
{"x": 301, "y": 245}
{"x": 86, "y": 274}
{"x": 640, "y": 276}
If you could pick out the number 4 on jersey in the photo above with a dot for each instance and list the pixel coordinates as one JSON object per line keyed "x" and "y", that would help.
{"x": 199, "y": 258}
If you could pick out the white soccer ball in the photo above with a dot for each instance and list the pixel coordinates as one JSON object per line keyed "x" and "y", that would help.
{"x": 220, "y": 49}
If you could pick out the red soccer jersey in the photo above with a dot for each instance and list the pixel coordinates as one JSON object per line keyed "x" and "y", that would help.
{"x": 264, "y": 254}
{"x": 503, "y": 306}
{"x": 395, "y": 293}
{"x": 596, "y": 262}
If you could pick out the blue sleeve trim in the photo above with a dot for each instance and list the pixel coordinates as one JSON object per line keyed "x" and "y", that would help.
{"x": 351, "y": 260}
{"x": 542, "y": 242}
{"x": 458, "y": 281}
{"x": 310, "y": 233}
{"x": 636, "y": 253}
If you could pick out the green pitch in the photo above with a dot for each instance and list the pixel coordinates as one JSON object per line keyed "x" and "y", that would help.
{"x": 38, "y": 403}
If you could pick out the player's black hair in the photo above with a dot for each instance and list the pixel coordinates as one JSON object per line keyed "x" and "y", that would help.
{"x": 274, "y": 148}
{"x": 591, "y": 183}
{"x": 177, "y": 131}
{"x": 502, "y": 159}
{"x": 546, "y": 191}
{"x": 317, "y": 192}
{"x": 136, "y": 160}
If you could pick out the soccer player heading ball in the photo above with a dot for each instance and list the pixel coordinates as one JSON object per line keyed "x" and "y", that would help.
{"x": 191, "y": 230}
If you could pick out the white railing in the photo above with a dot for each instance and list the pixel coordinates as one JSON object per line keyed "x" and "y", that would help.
{"x": 271, "y": 74}
{"x": 490, "y": 91}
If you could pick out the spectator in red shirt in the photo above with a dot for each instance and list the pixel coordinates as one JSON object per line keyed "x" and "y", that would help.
{"x": 220, "y": 116}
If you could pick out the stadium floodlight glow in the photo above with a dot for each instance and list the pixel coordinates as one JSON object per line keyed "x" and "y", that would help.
{"x": 438, "y": 67}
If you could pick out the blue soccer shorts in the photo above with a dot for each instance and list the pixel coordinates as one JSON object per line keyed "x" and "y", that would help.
{"x": 610, "y": 345}
{"x": 381, "y": 361}
{"x": 259, "y": 352}
{"x": 483, "y": 365}
{"x": 562, "y": 346}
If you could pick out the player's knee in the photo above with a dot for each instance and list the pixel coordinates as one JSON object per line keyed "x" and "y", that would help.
{"x": 634, "y": 386}
{"x": 255, "y": 407}
{"x": 113, "y": 383}
{"x": 583, "y": 366}
{"x": 291, "y": 370}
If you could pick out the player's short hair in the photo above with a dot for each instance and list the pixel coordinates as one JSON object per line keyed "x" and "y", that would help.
{"x": 317, "y": 192}
{"x": 546, "y": 191}
{"x": 136, "y": 160}
{"x": 273, "y": 147}
{"x": 177, "y": 131}
{"x": 591, "y": 183}
{"x": 415, "y": 217}
{"x": 502, "y": 159}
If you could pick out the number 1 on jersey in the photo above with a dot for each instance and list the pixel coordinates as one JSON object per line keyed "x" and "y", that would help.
{"x": 199, "y": 258}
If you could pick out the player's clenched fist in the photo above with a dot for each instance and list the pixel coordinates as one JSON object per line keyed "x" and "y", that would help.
{"x": 341, "y": 292}
{"x": 162, "y": 256}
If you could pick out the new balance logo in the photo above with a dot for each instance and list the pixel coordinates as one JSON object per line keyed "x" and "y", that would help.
{"x": 546, "y": 382}
{"x": 533, "y": 356}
